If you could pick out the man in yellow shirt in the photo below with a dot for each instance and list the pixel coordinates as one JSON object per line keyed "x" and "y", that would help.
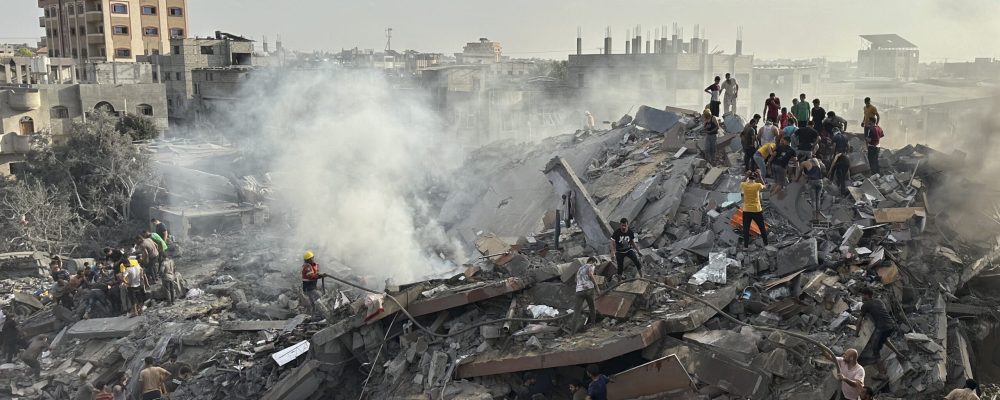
{"x": 753, "y": 211}
{"x": 761, "y": 157}
{"x": 870, "y": 112}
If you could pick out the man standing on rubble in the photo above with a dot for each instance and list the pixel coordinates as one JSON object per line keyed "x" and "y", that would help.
{"x": 586, "y": 290}
{"x": 623, "y": 245}
{"x": 714, "y": 89}
{"x": 161, "y": 244}
{"x": 153, "y": 380}
{"x": 771, "y": 107}
{"x": 818, "y": 115}
{"x": 149, "y": 255}
{"x": 851, "y": 374}
{"x": 873, "y": 134}
{"x": 885, "y": 324}
{"x": 731, "y": 89}
{"x": 310, "y": 276}
{"x": 711, "y": 129}
{"x": 870, "y": 112}
{"x": 807, "y": 137}
{"x": 840, "y": 171}
{"x": 753, "y": 211}
{"x": 801, "y": 111}
{"x": 11, "y": 337}
{"x": 768, "y": 133}
{"x": 748, "y": 138}
{"x": 136, "y": 281}
{"x": 590, "y": 121}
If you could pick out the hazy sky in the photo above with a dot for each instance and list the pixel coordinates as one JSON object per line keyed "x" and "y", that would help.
{"x": 953, "y": 29}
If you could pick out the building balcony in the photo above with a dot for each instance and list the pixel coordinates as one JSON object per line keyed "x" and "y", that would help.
{"x": 25, "y": 99}
{"x": 12, "y": 143}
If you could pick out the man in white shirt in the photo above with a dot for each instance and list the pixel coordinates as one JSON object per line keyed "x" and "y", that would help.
{"x": 731, "y": 90}
{"x": 850, "y": 374}
{"x": 136, "y": 281}
{"x": 586, "y": 286}
{"x": 768, "y": 133}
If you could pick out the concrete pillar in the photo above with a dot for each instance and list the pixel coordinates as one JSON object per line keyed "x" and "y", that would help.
{"x": 628, "y": 46}
{"x": 579, "y": 46}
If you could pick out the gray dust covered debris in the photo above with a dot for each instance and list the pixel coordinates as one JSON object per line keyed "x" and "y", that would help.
{"x": 707, "y": 319}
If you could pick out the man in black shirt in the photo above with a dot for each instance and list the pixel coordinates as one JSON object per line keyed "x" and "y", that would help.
{"x": 623, "y": 245}
{"x": 161, "y": 229}
{"x": 748, "y": 138}
{"x": 885, "y": 324}
{"x": 840, "y": 144}
{"x": 840, "y": 171}
{"x": 818, "y": 114}
{"x": 807, "y": 141}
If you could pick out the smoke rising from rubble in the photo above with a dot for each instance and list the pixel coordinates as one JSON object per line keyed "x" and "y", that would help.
{"x": 350, "y": 160}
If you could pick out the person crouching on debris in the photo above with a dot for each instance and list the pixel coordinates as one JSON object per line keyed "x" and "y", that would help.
{"x": 310, "y": 276}
{"x": 850, "y": 374}
{"x": 711, "y": 129}
{"x": 840, "y": 171}
{"x": 623, "y": 245}
{"x": 149, "y": 255}
{"x": 153, "y": 380}
{"x": 813, "y": 171}
{"x": 586, "y": 290}
{"x": 34, "y": 350}
{"x": 885, "y": 324}
{"x": 753, "y": 211}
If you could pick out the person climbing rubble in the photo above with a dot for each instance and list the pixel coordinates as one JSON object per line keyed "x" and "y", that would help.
{"x": 153, "y": 380}
{"x": 587, "y": 289}
{"x": 850, "y": 374}
{"x": 310, "y": 276}
{"x": 137, "y": 282}
{"x": 711, "y": 128}
{"x": 969, "y": 392}
{"x": 748, "y": 139}
{"x": 623, "y": 245}
{"x": 30, "y": 355}
{"x": 885, "y": 324}
{"x": 812, "y": 169}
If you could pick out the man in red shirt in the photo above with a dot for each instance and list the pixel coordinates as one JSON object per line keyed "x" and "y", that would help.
{"x": 311, "y": 275}
{"x": 771, "y": 107}
{"x": 873, "y": 133}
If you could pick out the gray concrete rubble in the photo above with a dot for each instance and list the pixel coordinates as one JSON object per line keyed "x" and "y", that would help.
{"x": 709, "y": 318}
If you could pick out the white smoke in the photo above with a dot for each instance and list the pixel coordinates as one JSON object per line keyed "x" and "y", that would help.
{"x": 351, "y": 159}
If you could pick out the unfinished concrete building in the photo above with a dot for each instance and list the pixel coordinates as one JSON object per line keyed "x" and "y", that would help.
{"x": 888, "y": 56}
{"x": 670, "y": 72}
{"x": 225, "y": 56}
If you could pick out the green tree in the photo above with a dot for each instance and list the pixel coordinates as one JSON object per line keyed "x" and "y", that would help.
{"x": 24, "y": 52}
{"x": 138, "y": 127}
{"x": 98, "y": 166}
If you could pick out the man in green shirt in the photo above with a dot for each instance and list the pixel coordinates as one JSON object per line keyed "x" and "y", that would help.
{"x": 801, "y": 110}
{"x": 162, "y": 244}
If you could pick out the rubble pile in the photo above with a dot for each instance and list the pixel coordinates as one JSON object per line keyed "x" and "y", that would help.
{"x": 707, "y": 318}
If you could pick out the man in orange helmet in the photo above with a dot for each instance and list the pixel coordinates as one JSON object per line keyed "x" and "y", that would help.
{"x": 310, "y": 276}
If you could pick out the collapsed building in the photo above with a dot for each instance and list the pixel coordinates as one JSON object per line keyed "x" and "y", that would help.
{"x": 709, "y": 320}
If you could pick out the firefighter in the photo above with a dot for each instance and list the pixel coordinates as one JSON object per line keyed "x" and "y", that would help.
{"x": 310, "y": 276}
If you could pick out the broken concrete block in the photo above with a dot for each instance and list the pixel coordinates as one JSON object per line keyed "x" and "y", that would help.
{"x": 798, "y": 256}
{"x": 775, "y": 362}
{"x": 732, "y": 343}
{"x": 436, "y": 371}
{"x": 563, "y": 179}
{"x": 97, "y": 328}
{"x": 655, "y": 120}
{"x": 712, "y": 176}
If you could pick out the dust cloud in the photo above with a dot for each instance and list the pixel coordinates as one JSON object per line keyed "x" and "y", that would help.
{"x": 351, "y": 160}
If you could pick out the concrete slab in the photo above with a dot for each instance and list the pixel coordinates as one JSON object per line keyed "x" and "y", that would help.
{"x": 663, "y": 375}
{"x": 733, "y": 344}
{"x": 615, "y": 304}
{"x": 718, "y": 370}
{"x": 97, "y": 328}
{"x": 630, "y": 206}
{"x": 655, "y": 120}
{"x": 791, "y": 205}
{"x": 299, "y": 384}
{"x": 798, "y": 256}
{"x": 588, "y": 217}
{"x": 712, "y": 176}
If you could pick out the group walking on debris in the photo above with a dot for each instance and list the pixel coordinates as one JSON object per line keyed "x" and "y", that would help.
{"x": 118, "y": 284}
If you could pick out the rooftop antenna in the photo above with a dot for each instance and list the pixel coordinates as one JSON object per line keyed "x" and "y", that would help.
{"x": 388, "y": 39}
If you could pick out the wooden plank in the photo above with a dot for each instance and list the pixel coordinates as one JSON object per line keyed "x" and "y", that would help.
{"x": 901, "y": 214}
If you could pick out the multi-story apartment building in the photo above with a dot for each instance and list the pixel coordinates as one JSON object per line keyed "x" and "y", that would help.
{"x": 110, "y": 30}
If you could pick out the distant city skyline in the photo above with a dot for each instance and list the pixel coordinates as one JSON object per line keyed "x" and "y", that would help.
{"x": 942, "y": 29}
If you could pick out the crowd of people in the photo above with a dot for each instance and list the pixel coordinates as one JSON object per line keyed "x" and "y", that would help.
{"x": 117, "y": 284}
